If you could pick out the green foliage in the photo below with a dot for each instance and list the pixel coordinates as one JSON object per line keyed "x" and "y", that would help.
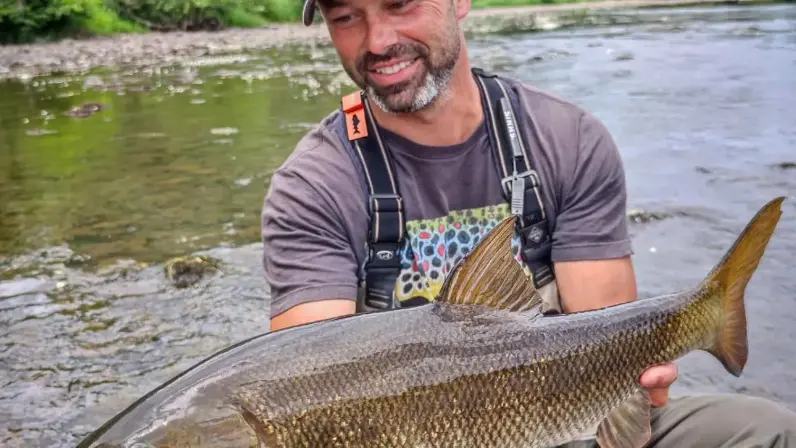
{"x": 284, "y": 10}
{"x": 31, "y": 20}
{"x": 101, "y": 20}
{"x": 206, "y": 14}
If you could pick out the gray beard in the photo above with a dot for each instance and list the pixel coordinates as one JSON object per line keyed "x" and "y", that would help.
{"x": 433, "y": 88}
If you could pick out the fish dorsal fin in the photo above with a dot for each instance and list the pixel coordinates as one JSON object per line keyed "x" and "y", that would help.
{"x": 490, "y": 275}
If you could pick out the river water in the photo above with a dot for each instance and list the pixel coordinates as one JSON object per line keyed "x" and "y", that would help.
{"x": 700, "y": 101}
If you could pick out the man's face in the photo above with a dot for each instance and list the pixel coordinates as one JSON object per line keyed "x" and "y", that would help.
{"x": 401, "y": 52}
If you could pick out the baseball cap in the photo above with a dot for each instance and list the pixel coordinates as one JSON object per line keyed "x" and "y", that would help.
{"x": 309, "y": 11}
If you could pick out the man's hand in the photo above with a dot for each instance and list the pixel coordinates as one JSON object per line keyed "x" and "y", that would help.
{"x": 657, "y": 380}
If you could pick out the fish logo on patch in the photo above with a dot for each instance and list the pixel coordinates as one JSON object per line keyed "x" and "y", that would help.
{"x": 355, "y": 122}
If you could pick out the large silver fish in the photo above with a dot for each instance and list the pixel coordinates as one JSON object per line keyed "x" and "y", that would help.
{"x": 478, "y": 367}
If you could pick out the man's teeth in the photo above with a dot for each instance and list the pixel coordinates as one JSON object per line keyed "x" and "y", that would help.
{"x": 393, "y": 68}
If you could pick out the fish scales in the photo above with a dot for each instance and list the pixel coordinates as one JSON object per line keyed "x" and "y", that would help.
{"x": 537, "y": 376}
{"x": 479, "y": 367}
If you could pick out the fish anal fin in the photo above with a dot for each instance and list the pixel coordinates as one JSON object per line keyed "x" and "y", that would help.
{"x": 490, "y": 275}
{"x": 627, "y": 425}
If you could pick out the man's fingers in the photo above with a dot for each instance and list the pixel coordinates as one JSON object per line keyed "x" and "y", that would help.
{"x": 658, "y": 377}
{"x": 657, "y": 380}
{"x": 659, "y": 397}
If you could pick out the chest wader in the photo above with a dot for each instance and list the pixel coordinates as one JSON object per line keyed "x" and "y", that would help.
{"x": 386, "y": 234}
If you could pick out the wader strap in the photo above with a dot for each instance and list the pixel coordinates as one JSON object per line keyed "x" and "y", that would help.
{"x": 385, "y": 205}
{"x": 519, "y": 181}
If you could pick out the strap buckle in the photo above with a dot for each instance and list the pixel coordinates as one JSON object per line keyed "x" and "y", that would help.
{"x": 385, "y": 203}
{"x": 514, "y": 187}
{"x": 383, "y": 255}
{"x": 536, "y": 247}
{"x": 386, "y": 211}
{"x": 509, "y": 180}
{"x": 381, "y": 269}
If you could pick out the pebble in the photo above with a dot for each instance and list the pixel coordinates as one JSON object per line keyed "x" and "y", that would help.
{"x": 69, "y": 55}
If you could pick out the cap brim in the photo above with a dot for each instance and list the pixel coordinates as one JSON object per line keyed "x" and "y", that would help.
{"x": 309, "y": 12}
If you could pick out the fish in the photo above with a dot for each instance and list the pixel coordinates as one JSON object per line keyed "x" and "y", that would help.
{"x": 480, "y": 366}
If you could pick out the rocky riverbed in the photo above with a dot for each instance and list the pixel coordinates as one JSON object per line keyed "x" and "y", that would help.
{"x": 71, "y": 56}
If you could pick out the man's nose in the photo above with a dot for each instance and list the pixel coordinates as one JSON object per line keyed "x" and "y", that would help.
{"x": 380, "y": 36}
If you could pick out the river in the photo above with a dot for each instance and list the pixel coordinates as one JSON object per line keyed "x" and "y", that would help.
{"x": 699, "y": 100}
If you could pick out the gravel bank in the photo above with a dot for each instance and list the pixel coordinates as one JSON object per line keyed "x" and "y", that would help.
{"x": 69, "y": 56}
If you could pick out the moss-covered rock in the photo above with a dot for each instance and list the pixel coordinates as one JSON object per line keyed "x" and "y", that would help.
{"x": 186, "y": 271}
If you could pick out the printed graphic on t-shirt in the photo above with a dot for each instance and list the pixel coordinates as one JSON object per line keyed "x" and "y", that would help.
{"x": 435, "y": 246}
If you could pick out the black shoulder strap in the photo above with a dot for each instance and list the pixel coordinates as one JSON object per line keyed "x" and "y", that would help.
{"x": 519, "y": 181}
{"x": 386, "y": 233}
{"x": 385, "y": 205}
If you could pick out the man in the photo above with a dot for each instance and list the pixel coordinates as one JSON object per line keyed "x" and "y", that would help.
{"x": 437, "y": 132}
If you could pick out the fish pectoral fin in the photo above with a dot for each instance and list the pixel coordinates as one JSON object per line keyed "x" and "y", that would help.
{"x": 627, "y": 425}
{"x": 490, "y": 275}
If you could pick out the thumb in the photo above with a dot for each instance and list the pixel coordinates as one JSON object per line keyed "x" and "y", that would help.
{"x": 659, "y": 397}
{"x": 661, "y": 376}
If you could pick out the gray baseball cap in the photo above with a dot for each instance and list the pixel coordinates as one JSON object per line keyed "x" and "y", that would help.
{"x": 309, "y": 11}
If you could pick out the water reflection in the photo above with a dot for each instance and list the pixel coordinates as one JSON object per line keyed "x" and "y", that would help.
{"x": 157, "y": 171}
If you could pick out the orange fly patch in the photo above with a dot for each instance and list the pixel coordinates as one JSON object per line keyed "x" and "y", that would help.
{"x": 354, "y": 112}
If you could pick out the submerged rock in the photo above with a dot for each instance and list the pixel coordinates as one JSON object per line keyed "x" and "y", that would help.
{"x": 186, "y": 271}
{"x": 85, "y": 110}
{"x": 785, "y": 165}
{"x": 642, "y": 216}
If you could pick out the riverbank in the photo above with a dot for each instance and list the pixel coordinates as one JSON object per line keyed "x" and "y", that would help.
{"x": 158, "y": 48}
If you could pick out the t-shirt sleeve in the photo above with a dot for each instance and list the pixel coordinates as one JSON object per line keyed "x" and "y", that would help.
{"x": 307, "y": 253}
{"x": 592, "y": 221}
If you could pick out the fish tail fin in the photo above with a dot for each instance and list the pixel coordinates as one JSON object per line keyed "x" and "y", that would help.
{"x": 728, "y": 280}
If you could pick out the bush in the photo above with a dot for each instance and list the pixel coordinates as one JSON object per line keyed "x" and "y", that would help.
{"x": 30, "y": 20}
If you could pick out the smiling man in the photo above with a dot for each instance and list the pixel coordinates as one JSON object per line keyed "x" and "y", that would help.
{"x": 401, "y": 75}
{"x": 377, "y": 203}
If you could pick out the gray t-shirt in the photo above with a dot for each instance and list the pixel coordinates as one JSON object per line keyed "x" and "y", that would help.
{"x": 315, "y": 218}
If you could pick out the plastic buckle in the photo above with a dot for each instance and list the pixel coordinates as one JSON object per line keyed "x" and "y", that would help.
{"x": 525, "y": 174}
{"x": 541, "y": 273}
{"x": 517, "y": 182}
{"x": 377, "y": 206}
{"x": 383, "y": 255}
{"x": 379, "y": 295}
{"x": 381, "y": 270}
{"x": 536, "y": 249}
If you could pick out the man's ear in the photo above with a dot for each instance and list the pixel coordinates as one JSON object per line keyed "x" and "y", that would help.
{"x": 462, "y": 8}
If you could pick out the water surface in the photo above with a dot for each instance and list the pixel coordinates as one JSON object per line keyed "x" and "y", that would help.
{"x": 698, "y": 100}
